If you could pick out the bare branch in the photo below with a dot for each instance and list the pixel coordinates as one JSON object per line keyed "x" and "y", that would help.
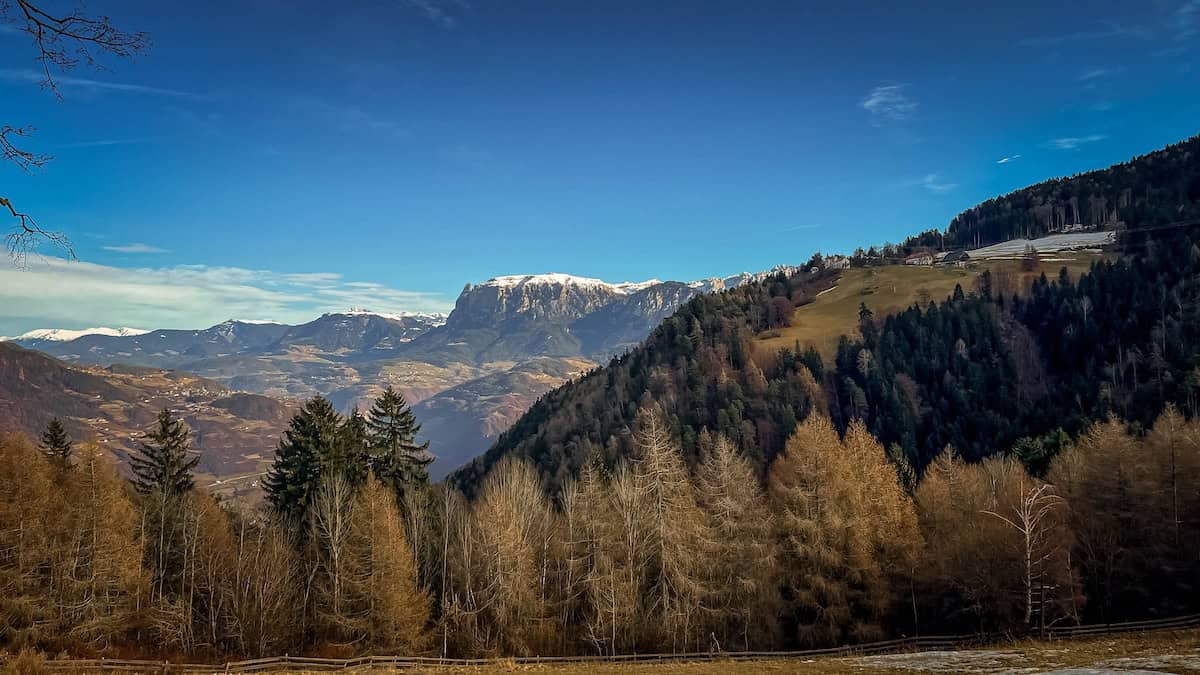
{"x": 65, "y": 41}
{"x": 28, "y": 234}
{"x": 62, "y": 41}
{"x": 28, "y": 161}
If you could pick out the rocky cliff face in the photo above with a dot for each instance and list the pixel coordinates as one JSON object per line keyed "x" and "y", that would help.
{"x": 539, "y": 297}
{"x": 518, "y": 317}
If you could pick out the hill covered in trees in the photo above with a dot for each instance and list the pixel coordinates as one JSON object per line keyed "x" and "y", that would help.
{"x": 984, "y": 371}
{"x": 1159, "y": 187}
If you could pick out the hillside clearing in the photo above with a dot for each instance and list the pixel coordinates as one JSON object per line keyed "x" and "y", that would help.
{"x": 893, "y": 288}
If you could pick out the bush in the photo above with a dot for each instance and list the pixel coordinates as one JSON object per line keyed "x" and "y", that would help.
{"x": 26, "y": 662}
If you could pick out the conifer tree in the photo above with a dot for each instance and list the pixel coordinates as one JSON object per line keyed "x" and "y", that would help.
{"x": 311, "y": 438}
{"x": 398, "y": 460}
{"x": 351, "y": 454}
{"x": 741, "y": 555}
{"x": 56, "y": 444}
{"x": 163, "y": 466}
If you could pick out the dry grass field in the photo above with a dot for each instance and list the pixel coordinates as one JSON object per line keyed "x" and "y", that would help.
{"x": 1163, "y": 652}
{"x": 890, "y": 289}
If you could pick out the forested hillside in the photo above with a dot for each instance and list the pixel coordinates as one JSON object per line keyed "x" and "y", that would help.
{"x": 1159, "y": 187}
{"x": 697, "y": 365}
{"x": 984, "y": 371}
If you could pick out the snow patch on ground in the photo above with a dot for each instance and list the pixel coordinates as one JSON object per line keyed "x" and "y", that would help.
{"x": 1050, "y": 244}
{"x": 1017, "y": 662}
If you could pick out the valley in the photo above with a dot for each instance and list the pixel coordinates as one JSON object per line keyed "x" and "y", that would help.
{"x": 234, "y": 432}
{"x": 471, "y": 374}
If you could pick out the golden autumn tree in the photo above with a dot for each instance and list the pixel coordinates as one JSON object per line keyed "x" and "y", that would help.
{"x": 848, "y": 531}
{"x": 511, "y": 526}
{"x": 27, "y": 510}
{"x": 384, "y": 575}
{"x": 677, "y": 531}
{"x": 99, "y": 579}
{"x": 1102, "y": 477}
{"x": 741, "y": 555}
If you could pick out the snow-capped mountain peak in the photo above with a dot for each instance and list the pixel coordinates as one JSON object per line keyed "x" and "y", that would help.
{"x": 430, "y": 318}
{"x": 66, "y": 334}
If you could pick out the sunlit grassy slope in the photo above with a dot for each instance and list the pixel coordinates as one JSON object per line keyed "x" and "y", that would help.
{"x": 886, "y": 290}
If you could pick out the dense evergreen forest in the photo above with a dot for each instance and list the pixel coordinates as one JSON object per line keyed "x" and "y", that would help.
{"x": 988, "y": 373}
{"x": 1159, "y": 187}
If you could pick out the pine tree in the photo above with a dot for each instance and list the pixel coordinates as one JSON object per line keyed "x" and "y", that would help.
{"x": 56, "y": 444}
{"x": 397, "y": 459}
{"x": 351, "y": 456}
{"x": 163, "y": 466}
{"x": 312, "y": 437}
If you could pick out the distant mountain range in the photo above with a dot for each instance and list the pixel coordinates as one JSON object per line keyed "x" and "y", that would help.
{"x": 507, "y": 341}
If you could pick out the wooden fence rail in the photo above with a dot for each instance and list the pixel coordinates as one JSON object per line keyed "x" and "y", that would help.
{"x": 298, "y": 663}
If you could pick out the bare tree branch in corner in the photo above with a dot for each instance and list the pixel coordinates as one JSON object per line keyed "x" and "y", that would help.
{"x": 62, "y": 41}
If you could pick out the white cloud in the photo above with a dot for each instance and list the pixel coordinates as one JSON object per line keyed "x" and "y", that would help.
{"x": 1073, "y": 142}
{"x": 136, "y": 247}
{"x": 888, "y": 103}
{"x": 1009, "y": 159}
{"x": 934, "y": 183}
{"x": 1095, "y": 74}
{"x": 1108, "y": 32}
{"x": 52, "y": 292}
{"x": 34, "y": 77}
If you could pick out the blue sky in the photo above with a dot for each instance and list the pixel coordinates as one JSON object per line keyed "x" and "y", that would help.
{"x": 281, "y": 158}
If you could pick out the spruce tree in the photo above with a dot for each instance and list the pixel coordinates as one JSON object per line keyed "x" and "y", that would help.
{"x": 56, "y": 444}
{"x": 307, "y": 447}
{"x": 163, "y": 465}
{"x": 352, "y": 456}
{"x": 397, "y": 459}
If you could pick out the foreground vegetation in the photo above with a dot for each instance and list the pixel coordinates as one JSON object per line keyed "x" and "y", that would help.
{"x": 650, "y": 557}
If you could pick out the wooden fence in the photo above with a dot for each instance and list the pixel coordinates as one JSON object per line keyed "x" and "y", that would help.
{"x": 365, "y": 663}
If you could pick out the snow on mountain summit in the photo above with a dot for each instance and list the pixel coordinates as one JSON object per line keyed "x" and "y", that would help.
{"x": 66, "y": 335}
{"x": 560, "y": 279}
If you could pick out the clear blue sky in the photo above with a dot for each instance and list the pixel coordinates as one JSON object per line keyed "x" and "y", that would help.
{"x": 412, "y": 146}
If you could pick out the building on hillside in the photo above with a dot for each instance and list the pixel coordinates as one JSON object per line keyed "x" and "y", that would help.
{"x": 837, "y": 262}
{"x": 957, "y": 258}
{"x": 921, "y": 258}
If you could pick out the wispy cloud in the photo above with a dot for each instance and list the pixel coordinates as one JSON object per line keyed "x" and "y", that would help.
{"x": 888, "y": 103}
{"x": 102, "y": 143}
{"x": 1073, "y": 142}
{"x": 136, "y": 247}
{"x": 1008, "y": 159}
{"x": 348, "y": 117}
{"x": 1095, "y": 74}
{"x": 52, "y": 292}
{"x": 935, "y": 184}
{"x": 442, "y": 13}
{"x": 34, "y": 77}
{"x": 1109, "y": 31}
{"x": 1186, "y": 19}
